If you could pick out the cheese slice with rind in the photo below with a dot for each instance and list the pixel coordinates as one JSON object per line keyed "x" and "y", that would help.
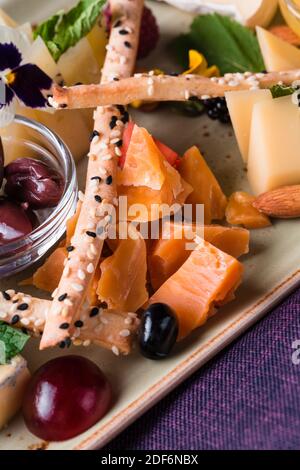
{"x": 278, "y": 55}
{"x": 274, "y": 145}
{"x": 240, "y": 105}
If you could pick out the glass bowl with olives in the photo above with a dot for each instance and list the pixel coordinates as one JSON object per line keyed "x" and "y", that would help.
{"x": 38, "y": 193}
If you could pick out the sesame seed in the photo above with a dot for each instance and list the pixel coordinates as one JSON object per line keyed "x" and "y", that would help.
{"x": 15, "y": 319}
{"x": 62, "y": 344}
{"x": 205, "y": 97}
{"x": 118, "y": 152}
{"x": 24, "y": 321}
{"x": 64, "y": 326}
{"x": 138, "y": 75}
{"x": 68, "y": 302}
{"x": 78, "y": 324}
{"x": 107, "y": 157}
{"x": 150, "y": 81}
{"x": 125, "y": 117}
{"x": 70, "y": 248}
{"x": 117, "y": 24}
{"x": 77, "y": 287}
{"x": 86, "y": 343}
{"x": 123, "y": 32}
{"x": 81, "y": 274}
{"x": 94, "y": 312}
{"x": 77, "y": 342}
{"x": 115, "y": 133}
{"x": 62, "y": 297}
{"x": 39, "y": 322}
{"x": 103, "y": 305}
{"x": 94, "y": 134}
{"x": 124, "y": 333}
{"x": 128, "y": 321}
{"x": 98, "y": 198}
{"x": 6, "y": 296}
{"x": 114, "y": 141}
{"x": 150, "y": 90}
{"x": 109, "y": 180}
{"x": 23, "y": 307}
{"x": 90, "y": 268}
{"x": 233, "y": 83}
{"x": 91, "y": 234}
{"x": 3, "y": 315}
{"x": 151, "y": 73}
{"x": 115, "y": 350}
{"x": 96, "y": 178}
{"x": 127, "y": 44}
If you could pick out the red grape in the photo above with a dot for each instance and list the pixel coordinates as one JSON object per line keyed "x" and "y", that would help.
{"x": 65, "y": 397}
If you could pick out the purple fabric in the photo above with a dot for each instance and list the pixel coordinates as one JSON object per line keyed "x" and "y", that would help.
{"x": 248, "y": 397}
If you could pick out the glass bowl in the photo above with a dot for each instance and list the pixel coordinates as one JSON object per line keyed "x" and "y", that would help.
{"x": 28, "y": 138}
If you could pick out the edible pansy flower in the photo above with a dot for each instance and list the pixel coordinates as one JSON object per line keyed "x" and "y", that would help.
{"x": 198, "y": 66}
{"x": 19, "y": 79}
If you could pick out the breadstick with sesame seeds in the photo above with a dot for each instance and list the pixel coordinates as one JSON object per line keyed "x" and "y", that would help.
{"x": 107, "y": 328}
{"x": 147, "y": 87}
{"x": 86, "y": 245}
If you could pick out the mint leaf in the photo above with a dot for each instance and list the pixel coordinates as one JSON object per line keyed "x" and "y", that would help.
{"x": 64, "y": 30}
{"x": 224, "y": 42}
{"x": 11, "y": 342}
{"x": 280, "y": 90}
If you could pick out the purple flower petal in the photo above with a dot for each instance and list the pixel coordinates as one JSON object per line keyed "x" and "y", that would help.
{"x": 28, "y": 82}
{"x": 10, "y": 56}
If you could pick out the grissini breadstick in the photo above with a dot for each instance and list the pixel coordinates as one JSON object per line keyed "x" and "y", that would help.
{"x": 109, "y": 329}
{"x": 147, "y": 87}
{"x": 86, "y": 245}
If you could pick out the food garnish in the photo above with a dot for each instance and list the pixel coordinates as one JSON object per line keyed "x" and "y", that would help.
{"x": 65, "y": 397}
{"x": 158, "y": 331}
{"x": 64, "y": 30}
{"x": 12, "y": 342}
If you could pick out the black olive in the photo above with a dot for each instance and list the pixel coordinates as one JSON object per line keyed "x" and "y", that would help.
{"x": 33, "y": 182}
{"x": 15, "y": 222}
{"x": 158, "y": 331}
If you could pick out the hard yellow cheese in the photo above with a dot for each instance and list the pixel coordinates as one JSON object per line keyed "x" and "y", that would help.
{"x": 240, "y": 105}
{"x": 278, "y": 55}
{"x": 13, "y": 380}
{"x": 274, "y": 145}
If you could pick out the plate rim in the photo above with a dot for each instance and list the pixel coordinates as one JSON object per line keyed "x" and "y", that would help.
{"x": 184, "y": 369}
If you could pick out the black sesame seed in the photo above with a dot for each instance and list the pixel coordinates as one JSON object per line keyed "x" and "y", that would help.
{"x": 64, "y": 326}
{"x": 6, "y": 296}
{"x": 78, "y": 84}
{"x": 15, "y": 319}
{"x": 24, "y": 331}
{"x": 15, "y": 301}
{"x": 113, "y": 122}
{"x": 121, "y": 108}
{"x": 117, "y": 24}
{"x": 127, "y": 44}
{"x": 62, "y": 344}
{"x": 123, "y": 32}
{"x": 70, "y": 248}
{"x": 94, "y": 134}
{"x": 119, "y": 143}
{"x": 78, "y": 324}
{"x": 63, "y": 105}
{"x": 94, "y": 312}
{"x": 116, "y": 79}
{"x": 125, "y": 117}
{"x": 91, "y": 234}
{"x": 98, "y": 198}
{"x": 68, "y": 342}
{"x": 103, "y": 305}
{"x": 22, "y": 307}
{"x": 109, "y": 180}
{"x": 62, "y": 297}
{"x": 96, "y": 178}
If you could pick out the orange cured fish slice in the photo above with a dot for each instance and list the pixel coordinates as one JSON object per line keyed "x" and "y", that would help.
{"x": 170, "y": 252}
{"x": 206, "y": 280}
{"x": 144, "y": 163}
{"x": 123, "y": 278}
{"x": 195, "y": 171}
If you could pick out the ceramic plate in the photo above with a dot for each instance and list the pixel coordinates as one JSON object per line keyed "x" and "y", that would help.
{"x": 271, "y": 268}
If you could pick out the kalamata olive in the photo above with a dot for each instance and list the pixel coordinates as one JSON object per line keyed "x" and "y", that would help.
{"x": 65, "y": 397}
{"x": 1, "y": 162}
{"x": 34, "y": 182}
{"x": 158, "y": 331}
{"x": 15, "y": 221}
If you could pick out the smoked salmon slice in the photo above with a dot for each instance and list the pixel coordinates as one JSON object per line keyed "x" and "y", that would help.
{"x": 206, "y": 280}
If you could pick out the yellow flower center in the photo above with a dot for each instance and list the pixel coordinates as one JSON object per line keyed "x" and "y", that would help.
{"x": 10, "y": 78}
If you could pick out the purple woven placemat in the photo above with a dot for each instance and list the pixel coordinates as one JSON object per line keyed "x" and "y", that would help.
{"x": 248, "y": 397}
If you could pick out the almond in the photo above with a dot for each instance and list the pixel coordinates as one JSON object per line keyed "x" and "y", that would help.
{"x": 281, "y": 203}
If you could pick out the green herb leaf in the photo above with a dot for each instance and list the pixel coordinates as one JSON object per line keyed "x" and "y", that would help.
{"x": 12, "y": 342}
{"x": 280, "y": 90}
{"x": 224, "y": 42}
{"x": 64, "y": 30}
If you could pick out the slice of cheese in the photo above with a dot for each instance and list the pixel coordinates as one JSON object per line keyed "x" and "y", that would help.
{"x": 278, "y": 55}
{"x": 13, "y": 381}
{"x": 250, "y": 13}
{"x": 240, "y": 105}
{"x": 274, "y": 145}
